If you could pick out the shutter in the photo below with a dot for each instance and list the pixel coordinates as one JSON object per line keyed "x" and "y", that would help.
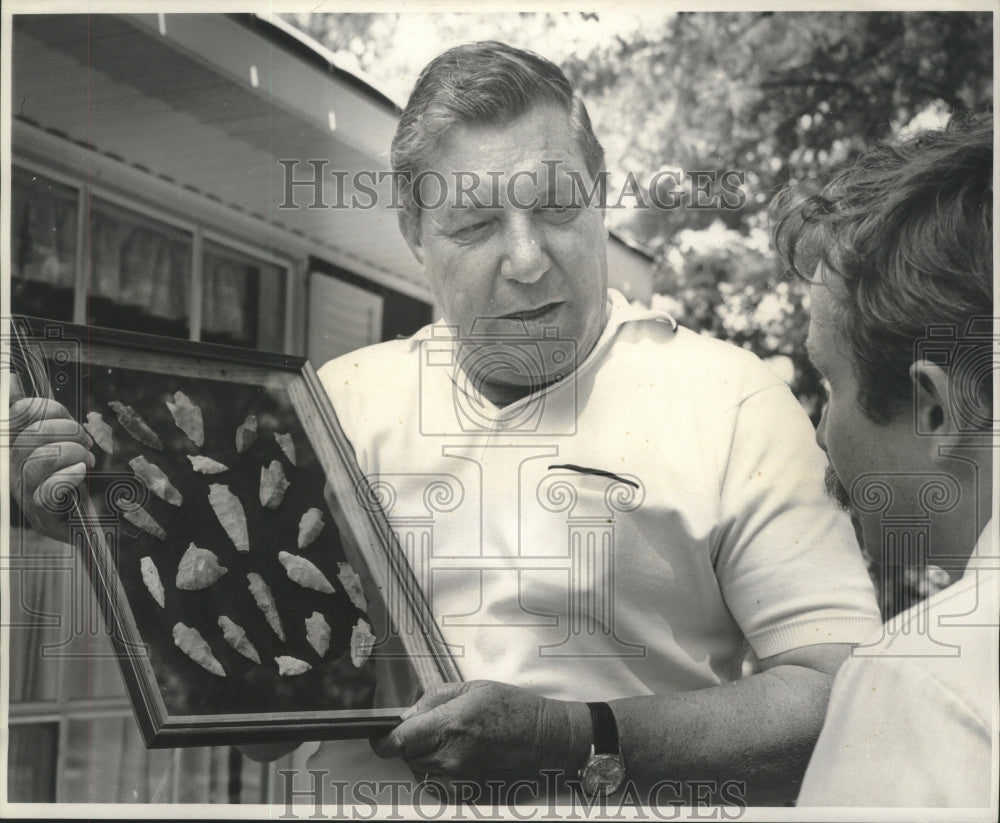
{"x": 342, "y": 317}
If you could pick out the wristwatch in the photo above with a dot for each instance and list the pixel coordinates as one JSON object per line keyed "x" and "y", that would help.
{"x": 604, "y": 771}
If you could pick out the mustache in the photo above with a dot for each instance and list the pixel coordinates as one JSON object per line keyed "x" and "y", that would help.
{"x": 835, "y": 489}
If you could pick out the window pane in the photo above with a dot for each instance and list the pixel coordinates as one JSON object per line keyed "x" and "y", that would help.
{"x": 106, "y": 762}
{"x": 31, "y": 768}
{"x": 37, "y": 614}
{"x": 43, "y": 220}
{"x": 140, "y": 272}
{"x": 57, "y": 631}
{"x": 243, "y": 300}
{"x": 92, "y": 670}
{"x": 220, "y": 774}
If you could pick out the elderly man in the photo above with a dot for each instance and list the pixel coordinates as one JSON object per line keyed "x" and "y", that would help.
{"x": 622, "y": 510}
{"x": 901, "y": 303}
{"x": 556, "y": 409}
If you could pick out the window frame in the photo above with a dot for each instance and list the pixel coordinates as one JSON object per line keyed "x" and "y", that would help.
{"x": 87, "y": 190}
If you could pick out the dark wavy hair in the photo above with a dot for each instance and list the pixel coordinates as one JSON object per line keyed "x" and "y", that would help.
{"x": 907, "y": 229}
{"x": 485, "y": 83}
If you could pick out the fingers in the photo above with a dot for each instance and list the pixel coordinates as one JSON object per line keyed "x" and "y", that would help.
{"x": 44, "y": 461}
{"x": 49, "y": 458}
{"x": 435, "y": 696}
{"x": 391, "y": 745}
{"x": 56, "y": 491}
{"x": 42, "y": 428}
{"x": 27, "y": 411}
{"x": 412, "y": 738}
{"x": 423, "y": 733}
{"x": 48, "y": 434}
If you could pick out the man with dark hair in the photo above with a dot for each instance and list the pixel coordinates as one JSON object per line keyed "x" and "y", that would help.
{"x": 898, "y": 249}
{"x": 614, "y": 514}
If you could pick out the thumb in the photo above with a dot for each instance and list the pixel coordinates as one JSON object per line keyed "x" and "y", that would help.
{"x": 435, "y": 696}
{"x": 57, "y": 494}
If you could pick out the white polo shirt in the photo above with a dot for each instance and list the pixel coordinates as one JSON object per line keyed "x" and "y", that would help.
{"x": 625, "y": 531}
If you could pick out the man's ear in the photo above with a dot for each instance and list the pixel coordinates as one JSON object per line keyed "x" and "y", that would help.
{"x": 933, "y": 406}
{"x": 409, "y": 227}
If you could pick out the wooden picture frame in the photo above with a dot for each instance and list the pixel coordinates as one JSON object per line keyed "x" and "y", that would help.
{"x": 287, "y": 486}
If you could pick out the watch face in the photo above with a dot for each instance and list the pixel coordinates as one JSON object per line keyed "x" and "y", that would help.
{"x": 603, "y": 774}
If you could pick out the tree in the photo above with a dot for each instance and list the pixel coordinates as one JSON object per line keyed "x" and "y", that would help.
{"x": 780, "y": 97}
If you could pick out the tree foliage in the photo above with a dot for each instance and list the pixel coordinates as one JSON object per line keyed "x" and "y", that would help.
{"x": 781, "y": 95}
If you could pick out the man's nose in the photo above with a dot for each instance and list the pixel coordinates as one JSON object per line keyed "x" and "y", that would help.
{"x": 525, "y": 258}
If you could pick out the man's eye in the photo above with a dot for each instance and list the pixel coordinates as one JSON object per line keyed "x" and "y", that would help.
{"x": 471, "y": 229}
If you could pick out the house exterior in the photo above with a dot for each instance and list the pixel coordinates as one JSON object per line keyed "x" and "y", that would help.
{"x": 173, "y": 174}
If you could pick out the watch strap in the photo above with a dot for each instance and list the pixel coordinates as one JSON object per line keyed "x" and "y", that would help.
{"x": 605, "y": 728}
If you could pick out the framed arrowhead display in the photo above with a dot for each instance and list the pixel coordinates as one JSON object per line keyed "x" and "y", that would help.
{"x": 251, "y": 586}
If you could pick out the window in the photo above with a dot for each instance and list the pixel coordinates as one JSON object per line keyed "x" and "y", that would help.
{"x": 31, "y": 770}
{"x": 141, "y": 270}
{"x": 43, "y": 249}
{"x": 242, "y": 300}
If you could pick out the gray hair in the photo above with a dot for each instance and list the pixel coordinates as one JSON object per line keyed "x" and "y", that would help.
{"x": 485, "y": 83}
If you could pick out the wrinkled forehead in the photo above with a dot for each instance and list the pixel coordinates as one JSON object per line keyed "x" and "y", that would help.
{"x": 508, "y": 162}
{"x": 541, "y": 130}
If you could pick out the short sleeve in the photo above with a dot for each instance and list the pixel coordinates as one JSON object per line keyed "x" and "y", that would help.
{"x": 787, "y": 559}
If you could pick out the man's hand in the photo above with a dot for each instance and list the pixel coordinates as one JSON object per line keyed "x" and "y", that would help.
{"x": 482, "y": 729}
{"x": 49, "y": 458}
{"x": 753, "y": 736}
